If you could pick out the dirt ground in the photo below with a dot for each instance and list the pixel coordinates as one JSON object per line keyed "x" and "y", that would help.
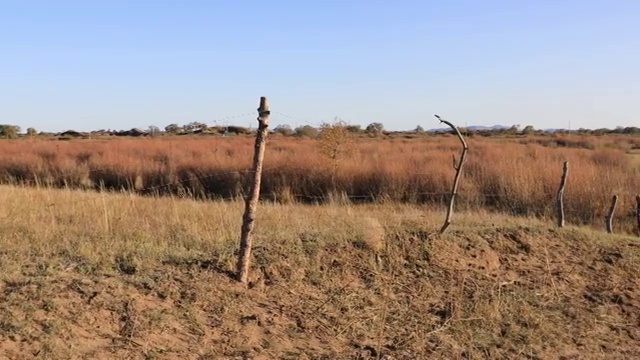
{"x": 484, "y": 293}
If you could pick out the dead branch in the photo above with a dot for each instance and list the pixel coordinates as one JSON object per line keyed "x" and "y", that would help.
{"x": 458, "y": 169}
{"x": 560, "y": 195}
{"x": 609, "y": 217}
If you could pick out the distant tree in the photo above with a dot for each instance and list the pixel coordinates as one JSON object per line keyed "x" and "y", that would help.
{"x": 9, "y": 131}
{"x": 513, "y": 130}
{"x": 188, "y": 127}
{"x": 238, "y": 130}
{"x": 70, "y": 133}
{"x": 172, "y": 128}
{"x": 32, "y": 132}
{"x": 528, "y": 130}
{"x": 354, "y": 128}
{"x": 419, "y": 129}
{"x": 194, "y": 126}
{"x": 284, "y": 130}
{"x": 306, "y": 131}
{"x": 374, "y": 128}
{"x": 153, "y": 130}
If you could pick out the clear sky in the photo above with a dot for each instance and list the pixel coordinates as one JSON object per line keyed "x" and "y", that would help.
{"x": 117, "y": 64}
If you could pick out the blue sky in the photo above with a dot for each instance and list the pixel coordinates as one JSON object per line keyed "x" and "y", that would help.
{"x": 120, "y": 64}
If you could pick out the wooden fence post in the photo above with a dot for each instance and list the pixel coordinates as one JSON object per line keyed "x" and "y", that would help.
{"x": 244, "y": 256}
{"x": 638, "y": 212}
{"x": 456, "y": 180}
{"x": 559, "y": 197}
{"x": 609, "y": 217}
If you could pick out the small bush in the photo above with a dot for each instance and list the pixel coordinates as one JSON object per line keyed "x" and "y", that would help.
{"x": 307, "y": 131}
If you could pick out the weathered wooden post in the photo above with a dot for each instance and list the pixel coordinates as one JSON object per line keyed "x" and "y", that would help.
{"x": 638, "y": 212}
{"x": 458, "y": 169}
{"x": 559, "y": 197}
{"x": 248, "y": 219}
{"x": 609, "y": 217}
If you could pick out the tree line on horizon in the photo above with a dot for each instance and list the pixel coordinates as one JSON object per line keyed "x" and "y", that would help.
{"x": 8, "y": 131}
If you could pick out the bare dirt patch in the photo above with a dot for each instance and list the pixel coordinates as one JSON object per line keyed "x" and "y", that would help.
{"x": 512, "y": 292}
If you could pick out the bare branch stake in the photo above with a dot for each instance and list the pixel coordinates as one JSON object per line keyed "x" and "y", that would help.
{"x": 458, "y": 169}
{"x": 244, "y": 256}
{"x": 609, "y": 217}
{"x": 638, "y": 212}
{"x": 560, "y": 195}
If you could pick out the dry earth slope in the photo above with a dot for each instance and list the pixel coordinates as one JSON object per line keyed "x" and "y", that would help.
{"x": 389, "y": 289}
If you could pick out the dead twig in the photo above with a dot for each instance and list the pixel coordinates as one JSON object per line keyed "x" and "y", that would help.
{"x": 458, "y": 169}
{"x": 609, "y": 217}
{"x": 560, "y": 195}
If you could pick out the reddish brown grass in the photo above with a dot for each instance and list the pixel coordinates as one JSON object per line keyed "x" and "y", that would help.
{"x": 510, "y": 175}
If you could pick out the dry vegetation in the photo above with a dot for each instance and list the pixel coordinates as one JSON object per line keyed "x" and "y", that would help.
{"x": 516, "y": 175}
{"x": 90, "y": 275}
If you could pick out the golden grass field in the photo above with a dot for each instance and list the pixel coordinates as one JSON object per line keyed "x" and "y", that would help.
{"x": 103, "y": 276}
{"x": 347, "y": 261}
{"x": 514, "y": 175}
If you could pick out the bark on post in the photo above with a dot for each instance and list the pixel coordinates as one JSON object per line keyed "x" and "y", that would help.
{"x": 638, "y": 212}
{"x": 244, "y": 256}
{"x": 560, "y": 195}
{"x": 458, "y": 168}
{"x": 609, "y": 217}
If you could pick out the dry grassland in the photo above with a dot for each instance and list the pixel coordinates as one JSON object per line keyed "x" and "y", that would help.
{"x": 90, "y": 275}
{"x": 514, "y": 175}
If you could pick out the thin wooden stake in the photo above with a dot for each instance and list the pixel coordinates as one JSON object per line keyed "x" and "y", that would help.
{"x": 107, "y": 227}
{"x": 609, "y": 217}
{"x": 560, "y": 195}
{"x": 638, "y": 212}
{"x": 456, "y": 180}
{"x": 248, "y": 219}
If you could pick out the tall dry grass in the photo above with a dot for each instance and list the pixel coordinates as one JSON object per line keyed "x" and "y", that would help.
{"x": 505, "y": 175}
{"x": 116, "y": 276}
